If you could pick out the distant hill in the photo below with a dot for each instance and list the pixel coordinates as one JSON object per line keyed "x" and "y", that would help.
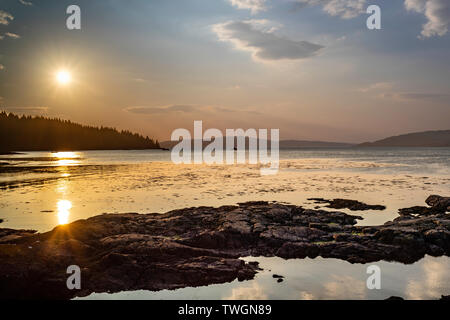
{"x": 417, "y": 139}
{"x": 293, "y": 144}
{"x": 284, "y": 144}
{"x": 26, "y": 133}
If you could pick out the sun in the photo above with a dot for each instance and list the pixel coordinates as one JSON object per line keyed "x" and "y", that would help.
{"x": 63, "y": 77}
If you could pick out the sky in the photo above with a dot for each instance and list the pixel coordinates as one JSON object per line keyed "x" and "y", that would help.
{"x": 310, "y": 68}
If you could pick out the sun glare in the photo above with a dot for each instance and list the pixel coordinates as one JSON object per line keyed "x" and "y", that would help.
{"x": 65, "y": 154}
{"x": 66, "y": 158}
{"x": 63, "y": 77}
{"x": 64, "y": 207}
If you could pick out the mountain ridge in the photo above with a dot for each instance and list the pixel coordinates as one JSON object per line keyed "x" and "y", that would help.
{"x": 433, "y": 138}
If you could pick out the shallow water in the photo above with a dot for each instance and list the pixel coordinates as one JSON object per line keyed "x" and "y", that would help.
{"x": 316, "y": 279}
{"x": 40, "y": 190}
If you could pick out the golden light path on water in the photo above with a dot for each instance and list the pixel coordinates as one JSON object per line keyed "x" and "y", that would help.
{"x": 64, "y": 207}
{"x": 64, "y": 158}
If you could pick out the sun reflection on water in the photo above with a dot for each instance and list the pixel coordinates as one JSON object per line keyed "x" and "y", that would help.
{"x": 66, "y": 158}
{"x": 64, "y": 207}
{"x": 65, "y": 154}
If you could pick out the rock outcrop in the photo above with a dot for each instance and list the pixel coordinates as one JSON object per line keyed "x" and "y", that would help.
{"x": 353, "y": 205}
{"x": 437, "y": 205}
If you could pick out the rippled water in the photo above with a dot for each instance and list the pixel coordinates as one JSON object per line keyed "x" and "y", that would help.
{"x": 39, "y": 190}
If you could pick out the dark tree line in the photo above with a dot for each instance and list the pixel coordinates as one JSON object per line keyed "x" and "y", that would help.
{"x": 26, "y": 133}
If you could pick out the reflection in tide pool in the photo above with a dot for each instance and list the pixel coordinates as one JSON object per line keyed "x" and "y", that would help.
{"x": 64, "y": 207}
{"x": 316, "y": 279}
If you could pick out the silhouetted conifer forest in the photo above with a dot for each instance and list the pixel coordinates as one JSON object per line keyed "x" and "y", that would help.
{"x": 27, "y": 133}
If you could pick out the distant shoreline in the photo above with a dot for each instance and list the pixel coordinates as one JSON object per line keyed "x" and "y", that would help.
{"x": 355, "y": 147}
{"x": 7, "y": 153}
{"x": 16, "y": 152}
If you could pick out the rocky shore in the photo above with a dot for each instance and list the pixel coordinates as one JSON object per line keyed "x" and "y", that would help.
{"x": 201, "y": 246}
{"x": 352, "y": 205}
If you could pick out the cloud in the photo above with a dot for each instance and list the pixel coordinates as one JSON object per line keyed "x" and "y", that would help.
{"x": 27, "y": 110}
{"x": 258, "y": 37}
{"x": 425, "y": 286}
{"x": 377, "y": 86}
{"x": 26, "y": 3}
{"x": 12, "y": 35}
{"x": 161, "y": 110}
{"x": 253, "y": 292}
{"x": 9, "y": 35}
{"x": 140, "y": 80}
{"x": 254, "y": 6}
{"x": 5, "y": 17}
{"x": 184, "y": 109}
{"x": 345, "y": 9}
{"x": 437, "y": 13}
{"x": 345, "y": 287}
{"x": 424, "y": 96}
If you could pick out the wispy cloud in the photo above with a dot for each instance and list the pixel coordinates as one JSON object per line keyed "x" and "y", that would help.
{"x": 425, "y": 96}
{"x": 258, "y": 37}
{"x": 377, "y": 86}
{"x": 388, "y": 90}
{"x": 437, "y": 13}
{"x": 12, "y": 35}
{"x": 254, "y": 6}
{"x": 27, "y": 110}
{"x": 9, "y": 35}
{"x": 162, "y": 110}
{"x": 26, "y": 3}
{"x": 183, "y": 109}
{"x": 345, "y": 9}
{"x": 5, "y": 17}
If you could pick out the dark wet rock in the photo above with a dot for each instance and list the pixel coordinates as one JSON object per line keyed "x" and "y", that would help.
{"x": 417, "y": 210}
{"x": 277, "y": 276}
{"x": 201, "y": 246}
{"x": 1, "y": 220}
{"x": 395, "y": 298}
{"x": 280, "y": 280}
{"x": 318, "y": 200}
{"x": 347, "y": 204}
{"x": 445, "y": 298}
{"x": 437, "y": 205}
{"x": 9, "y": 235}
{"x": 438, "y": 202}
